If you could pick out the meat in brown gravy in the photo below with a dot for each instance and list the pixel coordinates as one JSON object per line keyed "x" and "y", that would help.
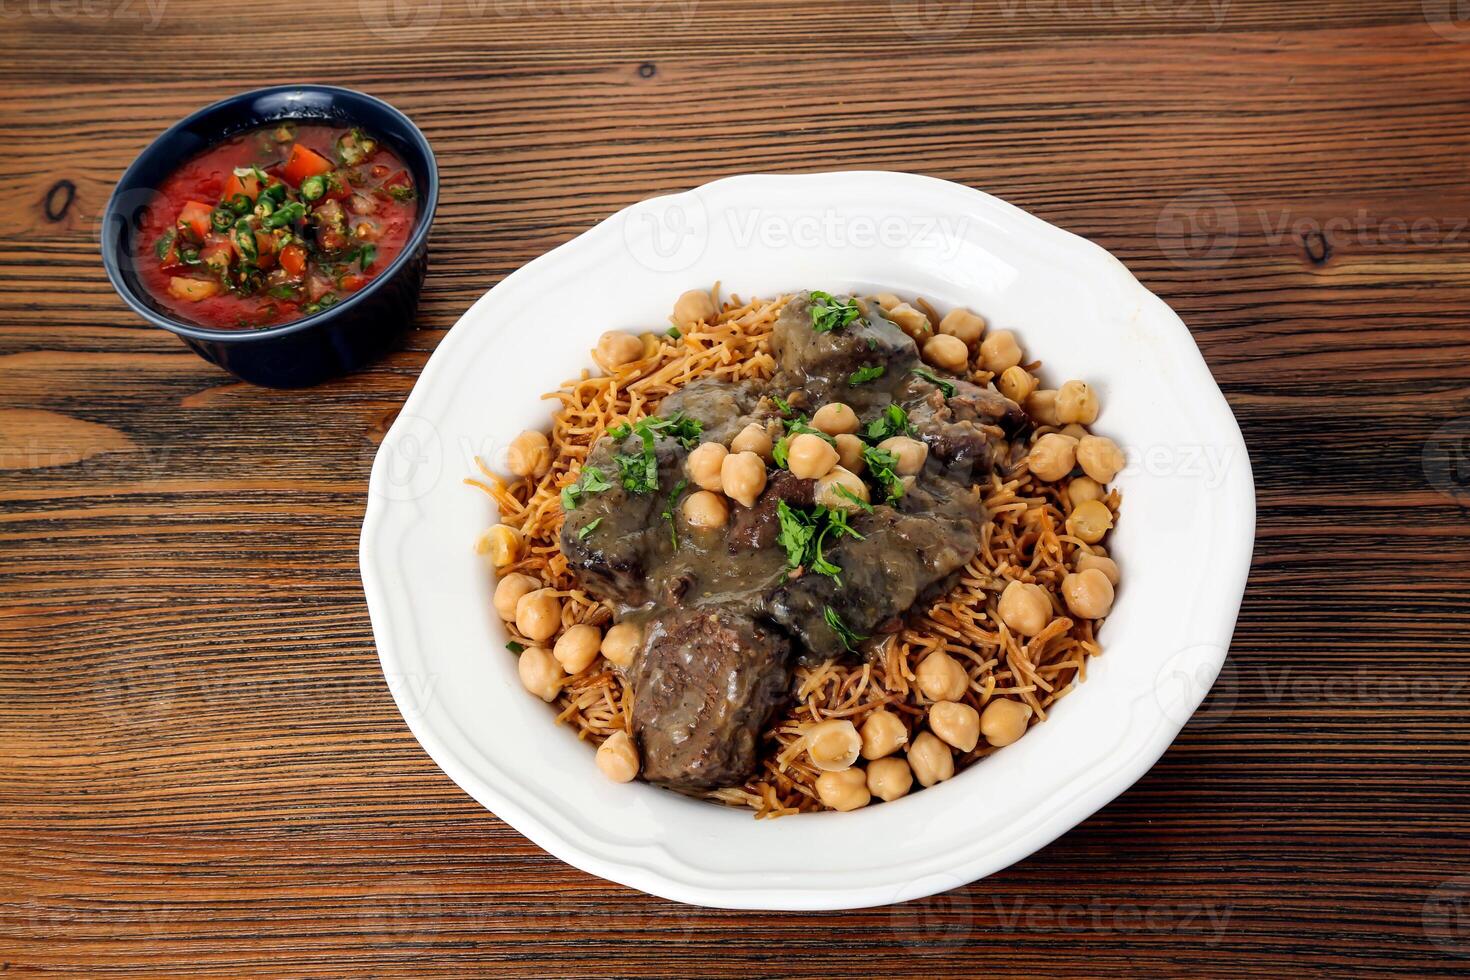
{"x": 725, "y": 619}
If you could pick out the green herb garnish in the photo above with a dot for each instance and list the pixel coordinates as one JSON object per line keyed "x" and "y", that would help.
{"x": 639, "y": 471}
{"x": 803, "y": 536}
{"x": 164, "y": 243}
{"x": 829, "y": 315}
{"x": 894, "y": 421}
{"x": 590, "y": 480}
{"x": 847, "y": 494}
{"x": 588, "y": 528}
{"x": 515, "y": 647}
{"x": 782, "y": 404}
{"x": 794, "y": 428}
{"x": 849, "y": 639}
{"x": 675, "y": 333}
{"x": 871, "y": 372}
{"x": 945, "y": 386}
{"x": 668, "y": 512}
{"x": 882, "y": 468}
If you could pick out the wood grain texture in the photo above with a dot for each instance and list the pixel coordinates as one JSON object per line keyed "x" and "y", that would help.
{"x": 201, "y": 769}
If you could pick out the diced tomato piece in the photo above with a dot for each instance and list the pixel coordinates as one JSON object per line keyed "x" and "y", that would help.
{"x": 304, "y": 163}
{"x": 194, "y": 217}
{"x": 293, "y": 260}
{"x": 249, "y": 185}
{"x": 192, "y": 290}
{"x": 265, "y": 250}
{"x": 338, "y": 188}
{"x": 399, "y": 179}
{"x": 353, "y": 282}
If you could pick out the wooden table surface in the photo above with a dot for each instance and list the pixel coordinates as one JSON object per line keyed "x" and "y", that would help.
{"x": 201, "y": 769}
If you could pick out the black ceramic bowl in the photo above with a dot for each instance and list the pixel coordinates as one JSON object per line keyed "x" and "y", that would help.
{"x": 338, "y": 339}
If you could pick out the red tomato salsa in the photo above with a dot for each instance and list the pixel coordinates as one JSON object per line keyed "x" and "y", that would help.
{"x": 275, "y": 224}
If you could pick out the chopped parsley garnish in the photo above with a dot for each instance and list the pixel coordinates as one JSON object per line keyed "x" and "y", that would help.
{"x": 782, "y": 404}
{"x": 803, "y": 535}
{"x": 675, "y": 333}
{"x": 591, "y": 480}
{"x": 882, "y": 468}
{"x": 515, "y": 647}
{"x": 639, "y": 471}
{"x": 893, "y": 422}
{"x": 849, "y": 638}
{"x": 847, "y": 494}
{"x": 588, "y": 528}
{"x": 862, "y": 375}
{"x": 829, "y": 315}
{"x": 668, "y": 511}
{"x": 945, "y": 386}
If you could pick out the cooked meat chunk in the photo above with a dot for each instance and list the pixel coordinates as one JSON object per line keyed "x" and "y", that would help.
{"x": 756, "y": 527}
{"x": 822, "y": 363}
{"x": 722, "y": 408}
{"x": 706, "y": 684}
{"x": 629, "y": 535}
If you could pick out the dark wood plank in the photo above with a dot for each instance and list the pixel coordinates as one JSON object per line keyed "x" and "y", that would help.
{"x": 201, "y": 770}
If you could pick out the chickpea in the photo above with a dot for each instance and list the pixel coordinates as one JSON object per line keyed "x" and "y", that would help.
{"x": 887, "y": 301}
{"x": 1042, "y": 407}
{"x": 695, "y": 306}
{"x": 958, "y": 724}
{"x": 947, "y": 353}
{"x": 999, "y": 351}
{"x": 1088, "y": 593}
{"x": 616, "y": 348}
{"x": 930, "y": 759}
{"x": 1100, "y": 458}
{"x": 1016, "y": 383}
{"x": 1076, "y": 402}
{"x": 538, "y": 614}
{"x": 617, "y": 757}
{"x": 744, "y": 477}
{"x": 835, "y": 418}
{"x": 1003, "y": 721}
{"x": 966, "y": 326}
{"x": 941, "y": 678}
{"x": 883, "y": 734}
{"x": 1052, "y": 456}
{"x": 911, "y": 454}
{"x": 1082, "y": 489}
{"x": 651, "y": 343}
{"x": 833, "y": 744}
{"x": 540, "y": 673}
{"x": 1090, "y": 521}
{"x": 621, "y": 642}
{"x": 846, "y": 790}
{"x": 809, "y": 456}
{"x": 850, "y": 452}
{"x": 1102, "y": 563}
{"x": 704, "y": 465}
{"x": 508, "y": 592}
{"x": 1024, "y": 608}
{"x": 752, "y": 439}
{"x": 529, "y": 454}
{"x": 910, "y": 321}
{"x": 705, "y": 510}
{"x": 501, "y": 544}
{"x": 827, "y": 494}
{"x": 888, "y": 779}
{"x": 577, "y": 647}
{"x": 1075, "y": 430}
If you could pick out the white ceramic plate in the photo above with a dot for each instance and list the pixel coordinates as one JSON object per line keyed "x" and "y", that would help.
{"x": 1184, "y": 539}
